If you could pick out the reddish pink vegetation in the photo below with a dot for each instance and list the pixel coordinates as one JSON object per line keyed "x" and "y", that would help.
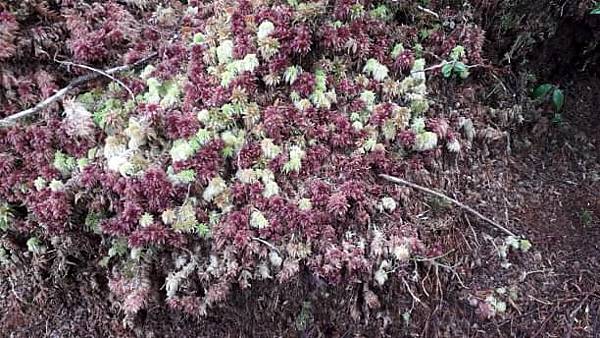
{"x": 8, "y": 29}
{"x": 95, "y": 42}
{"x": 51, "y": 209}
{"x": 330, "y": 235}
{"x": 180, "y": 125}
{"x": 404, "y": 61}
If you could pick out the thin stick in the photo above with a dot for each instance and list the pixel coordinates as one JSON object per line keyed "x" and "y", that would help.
{"x": 12, "y": 285}
{"x": 101, "y": 72}
{"x": 543, "y": 325}
{"x": 428, "y": 11}
{"x": 415, "y": 298}
{"x": 452, "y": 200}
{"x": 442, "y": 64}
{"x": 273, "y": 247}
{"x": 11, "y": 120}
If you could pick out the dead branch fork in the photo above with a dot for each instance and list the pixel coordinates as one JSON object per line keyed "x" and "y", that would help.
{"x": 450, "y": 199}
{"x": 13, "y": 119}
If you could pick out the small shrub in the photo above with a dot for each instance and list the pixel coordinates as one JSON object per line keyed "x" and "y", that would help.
{"x": 550, "y": 92}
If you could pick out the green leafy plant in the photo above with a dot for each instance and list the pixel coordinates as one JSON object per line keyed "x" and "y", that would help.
{"x": 64, "y": 163}
{"x": 548, "y": 91}
{"x": 586, "y": 217}
{"x": 596, "y": 10}
{"x": 5, "y": 216}
{"x": 4, "y": 256}
{"x": 92, "y": 222}
{"x": 455, "y": 66}
{"x": 510, "y": 243}
{"x": 35, "y": 246}
{"x": 557, "y": 119}
{"x": 518, "y": 243}
{"x": 496, "y": 302}
{"x": 118, "y": 248}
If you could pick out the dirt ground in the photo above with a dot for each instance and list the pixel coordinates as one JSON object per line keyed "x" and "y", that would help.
{"x": 541, "y": 180}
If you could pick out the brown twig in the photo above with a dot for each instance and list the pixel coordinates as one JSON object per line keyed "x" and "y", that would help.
{"x": 442, "y": 64}
{"x": 273, "y": 247}
{"x": 450, "y": 199}
{"x": 12, "y": 286}
{"x": 12, "y": 119}
{"x": 414, "y": 297}
{"x": 99, "y": 71}
{"x": 544, "y": 322}
{"x": 428, "y": 11}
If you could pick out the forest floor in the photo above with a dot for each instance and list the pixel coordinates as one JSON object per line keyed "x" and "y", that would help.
{"x": 541, "y": 180}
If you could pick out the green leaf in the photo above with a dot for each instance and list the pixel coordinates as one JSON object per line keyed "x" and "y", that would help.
{"x": 198, "y": 39}
{"x": 457, "y": 53}
{"x": 512, "y": 241}
{"x": 35, "y": 246}
{"x": 104, "y": 261}
{"x": 542, "y": 90}
{"x": 500, "y": 306}
{"x": 5, "y": 216}
{"x": 558, "y": 98}
{"x": 118, "y": 248}
{"x": 381, "y": 12}
{"x": 461, "y": 70}
{"x": 459, "y": 67}
{"x": 92, "y": 222}
{"x": 424, "y": 33}
{"x": 447, "y": 69}
{"x": 596, "y": 11}
{"x": 186, "y": 176}
{"x": 203, "y": 230}
{"x": 524, "y": 245}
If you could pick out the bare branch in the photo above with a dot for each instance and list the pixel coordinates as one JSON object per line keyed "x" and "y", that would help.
{"x": 428, "y": 11}
{"x": 452, "y": 200}
{"x": 11, "y": 120}
{"x": 273, "y": 247}
{"x": 415, "y": 298}
{"x": 101, "y": 72}
{"x": 442, "y": 64}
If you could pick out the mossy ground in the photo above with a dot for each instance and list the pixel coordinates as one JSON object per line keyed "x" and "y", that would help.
{"x": 539, "y": 180}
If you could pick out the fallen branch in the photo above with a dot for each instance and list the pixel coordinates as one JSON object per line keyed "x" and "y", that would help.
{"x": 12, "y": 119}
{"x": 428, "y": 11}
{"x": 450, "y": 199}
{"x": 442, "y": 64}
{"x": 99, "y": 71}
{"x": 543, "y": 324}
{"x": 273, "y": 247}
{"x": 415, "y": 298}
{"x": 12, "y": 286}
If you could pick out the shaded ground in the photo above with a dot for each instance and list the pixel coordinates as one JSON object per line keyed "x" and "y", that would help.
{"x": 542, "y": 182}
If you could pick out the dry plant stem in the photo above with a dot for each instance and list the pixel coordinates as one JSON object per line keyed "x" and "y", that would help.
{"x": 273, "y": 247}
{"x": 543, "y": 325}
{"x": 101, "y": 72}
{"x": 442, "y": 64}
{"x": 452, "y": 200}
{"x": 11, "y": 120}
{"x": 415, "y": 298}
{"x": 428, "y": 11}
{"x": 12, "y": 285}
